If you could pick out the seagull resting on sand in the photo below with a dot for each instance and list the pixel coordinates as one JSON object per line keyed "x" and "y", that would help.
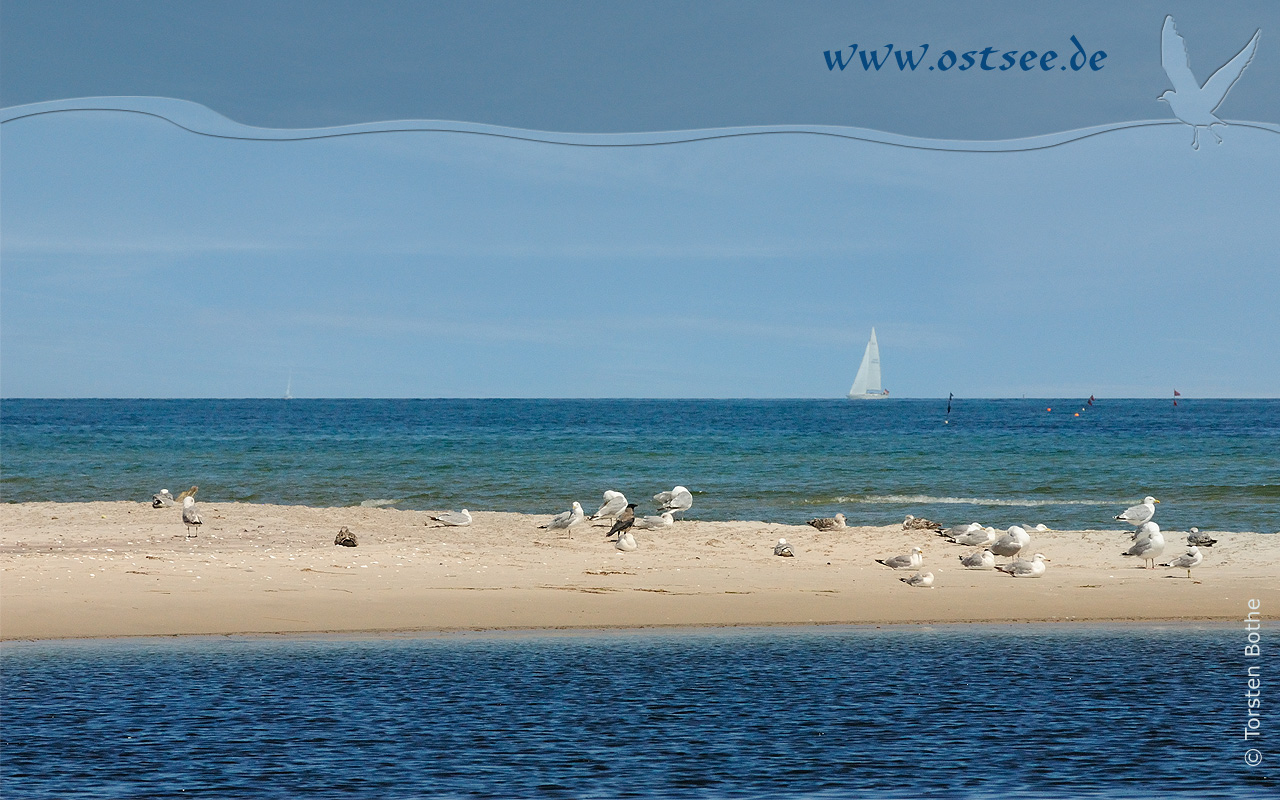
{"x": 1187, "y": 560}
{"x": 919, "y": 524}
{"x": 924, "y": 581}
{"x": 979, "y": 559}
{"x": 783, "y": 549}
{"x": 612, "y": 506}
{"x": 1025, "y": 569}
{"x": 1190, "y": 102}
{"x": 565, "y": 521}
{"x": 1143, "y": 512}
{"x": 982, "y": 537}
{"x": 626, "y": 542}
{"x": 189, "y": 516}
{"x": 1200, "y": 539}
{"x": 161, "y": 499}
{"x": 828, "y": 523}
{"x": 456, "y": 519}
{"x": 911, "y": 560}
{"x": 663, "y": 520}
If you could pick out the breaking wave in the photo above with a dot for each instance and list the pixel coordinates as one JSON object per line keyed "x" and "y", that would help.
{"x": 919, "y": 499}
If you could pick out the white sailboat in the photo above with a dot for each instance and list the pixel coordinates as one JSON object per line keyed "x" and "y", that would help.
{"x": 866, "y": 386}
{"x": 288, "y": 389}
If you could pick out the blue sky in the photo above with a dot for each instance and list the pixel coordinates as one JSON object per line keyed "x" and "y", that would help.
{"x": 140, "y": 260}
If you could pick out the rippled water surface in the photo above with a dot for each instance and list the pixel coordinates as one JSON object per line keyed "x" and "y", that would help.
{"x": 1215, "y": 464}
{"x": 951, "y": 712}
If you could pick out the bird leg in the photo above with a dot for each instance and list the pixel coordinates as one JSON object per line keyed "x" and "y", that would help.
{"x": 1215, "y": 133}
{"x": 1195, "y": 138}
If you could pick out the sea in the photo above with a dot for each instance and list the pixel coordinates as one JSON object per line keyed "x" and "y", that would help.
{"x": 959, "y": 711}
{"x": 1213, "y": 464}
{"x": 936, "y": 711}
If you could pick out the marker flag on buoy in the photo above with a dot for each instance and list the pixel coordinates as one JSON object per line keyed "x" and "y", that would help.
{"x": 949, "y": 396}
{"x": 1176, "y": 393}
{"x": 1091, "y": 400}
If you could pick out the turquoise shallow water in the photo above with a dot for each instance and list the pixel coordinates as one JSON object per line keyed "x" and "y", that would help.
{"x": 1215, "y": 464}
{"x": 1144, "y": 711}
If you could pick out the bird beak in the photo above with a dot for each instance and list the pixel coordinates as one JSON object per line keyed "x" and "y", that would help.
{"x": 1157, "y": 501}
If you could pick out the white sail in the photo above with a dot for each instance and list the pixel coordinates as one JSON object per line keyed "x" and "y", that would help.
{"x": 867, "y": 382}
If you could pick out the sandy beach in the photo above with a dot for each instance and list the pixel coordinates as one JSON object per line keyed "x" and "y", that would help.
{"x": 126, "y": 569}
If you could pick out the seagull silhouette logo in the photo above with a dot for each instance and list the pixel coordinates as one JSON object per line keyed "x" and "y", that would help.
{"x": 1192, "y": 103}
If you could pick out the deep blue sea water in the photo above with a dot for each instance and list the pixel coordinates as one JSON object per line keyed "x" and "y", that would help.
{"x": 981, "y": 711}
{"x": 1214, "y": 464}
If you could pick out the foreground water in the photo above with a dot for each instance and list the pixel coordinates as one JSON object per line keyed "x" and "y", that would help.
{"x": 1215, "y": 464}
{"x": 950, "y": 712}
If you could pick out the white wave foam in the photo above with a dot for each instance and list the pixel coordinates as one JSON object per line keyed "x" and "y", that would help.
{"x": 917, "y": 499}
{"x": 377, "y": 503}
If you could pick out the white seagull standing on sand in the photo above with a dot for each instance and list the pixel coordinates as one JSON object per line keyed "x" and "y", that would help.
{"x": 1143, "y": 512}
{"x": 612, "y": 506}
{"x": 189, "y": 515}
{"x": 783, "y": 549}
{"x": 565, "y": 521}
{"x": 677, "y": 501}
{"x": 924, "y": 581}
{"x": 161, "y": 499}
{"x": 1148, "y": 546}
{"x": 979, "y": 559}
{"x": 663, "y": 520}
{"x": 1014, "y": 541}
{"x": 911, "y": 560}
{"x": 1187, "y": 560}
{"x": 1025, "y": 569}
{"x": 456, "y": 519}
{"x": 1190, "y": 102}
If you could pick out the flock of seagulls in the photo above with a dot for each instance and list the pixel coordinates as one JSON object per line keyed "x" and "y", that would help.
{"x": 1148, "y": 542}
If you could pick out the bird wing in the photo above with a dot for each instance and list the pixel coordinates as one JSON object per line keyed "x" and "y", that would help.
{"x": 1220, "y": 82}
{"x": 663, "y": 497}
{"x": 1173, "y": 55}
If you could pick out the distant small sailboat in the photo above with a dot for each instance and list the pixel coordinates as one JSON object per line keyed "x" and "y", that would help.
{"x": 288, "y": 389}
{"x": 866, "y": 386}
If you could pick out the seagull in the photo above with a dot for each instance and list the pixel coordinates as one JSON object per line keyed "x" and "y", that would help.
{"x": 189, "y": 515}
{"x": 188, "y": 493}
{"x": 1012, "y": 543}
{"x": 1145, "y": 531}
{"x": 919, "y": 524}
{"x": 957, "y": 531}
{"x": 828, "y": 523}
{"x": 1202, "y": 539}
{"x": 979, "y": 559}
{"x": 624, "y": 522}
{"x": 1148, "y": 547}
{"x": 1190, "y": 102}
{"x": 566, "y": 520}
{"x": 612, "y": 506}
{"x": 924, "y": 581}
{"x": 783, "y": 549}
{"x": 1187, "y": 560}
{"x": 161, "y": 499}
{"x": 1025, "y": 569}
{"x": 1042, "y": 528}
{"x": 626, "y": 542}
{"x": 982, "y": 537}
{"x": 912, "y": 560}
{"x": 663, "y": 520}
{"x": 676, "y": 501}
{"x": 1143, "y": 512}
{"x": 454, "y": 518}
